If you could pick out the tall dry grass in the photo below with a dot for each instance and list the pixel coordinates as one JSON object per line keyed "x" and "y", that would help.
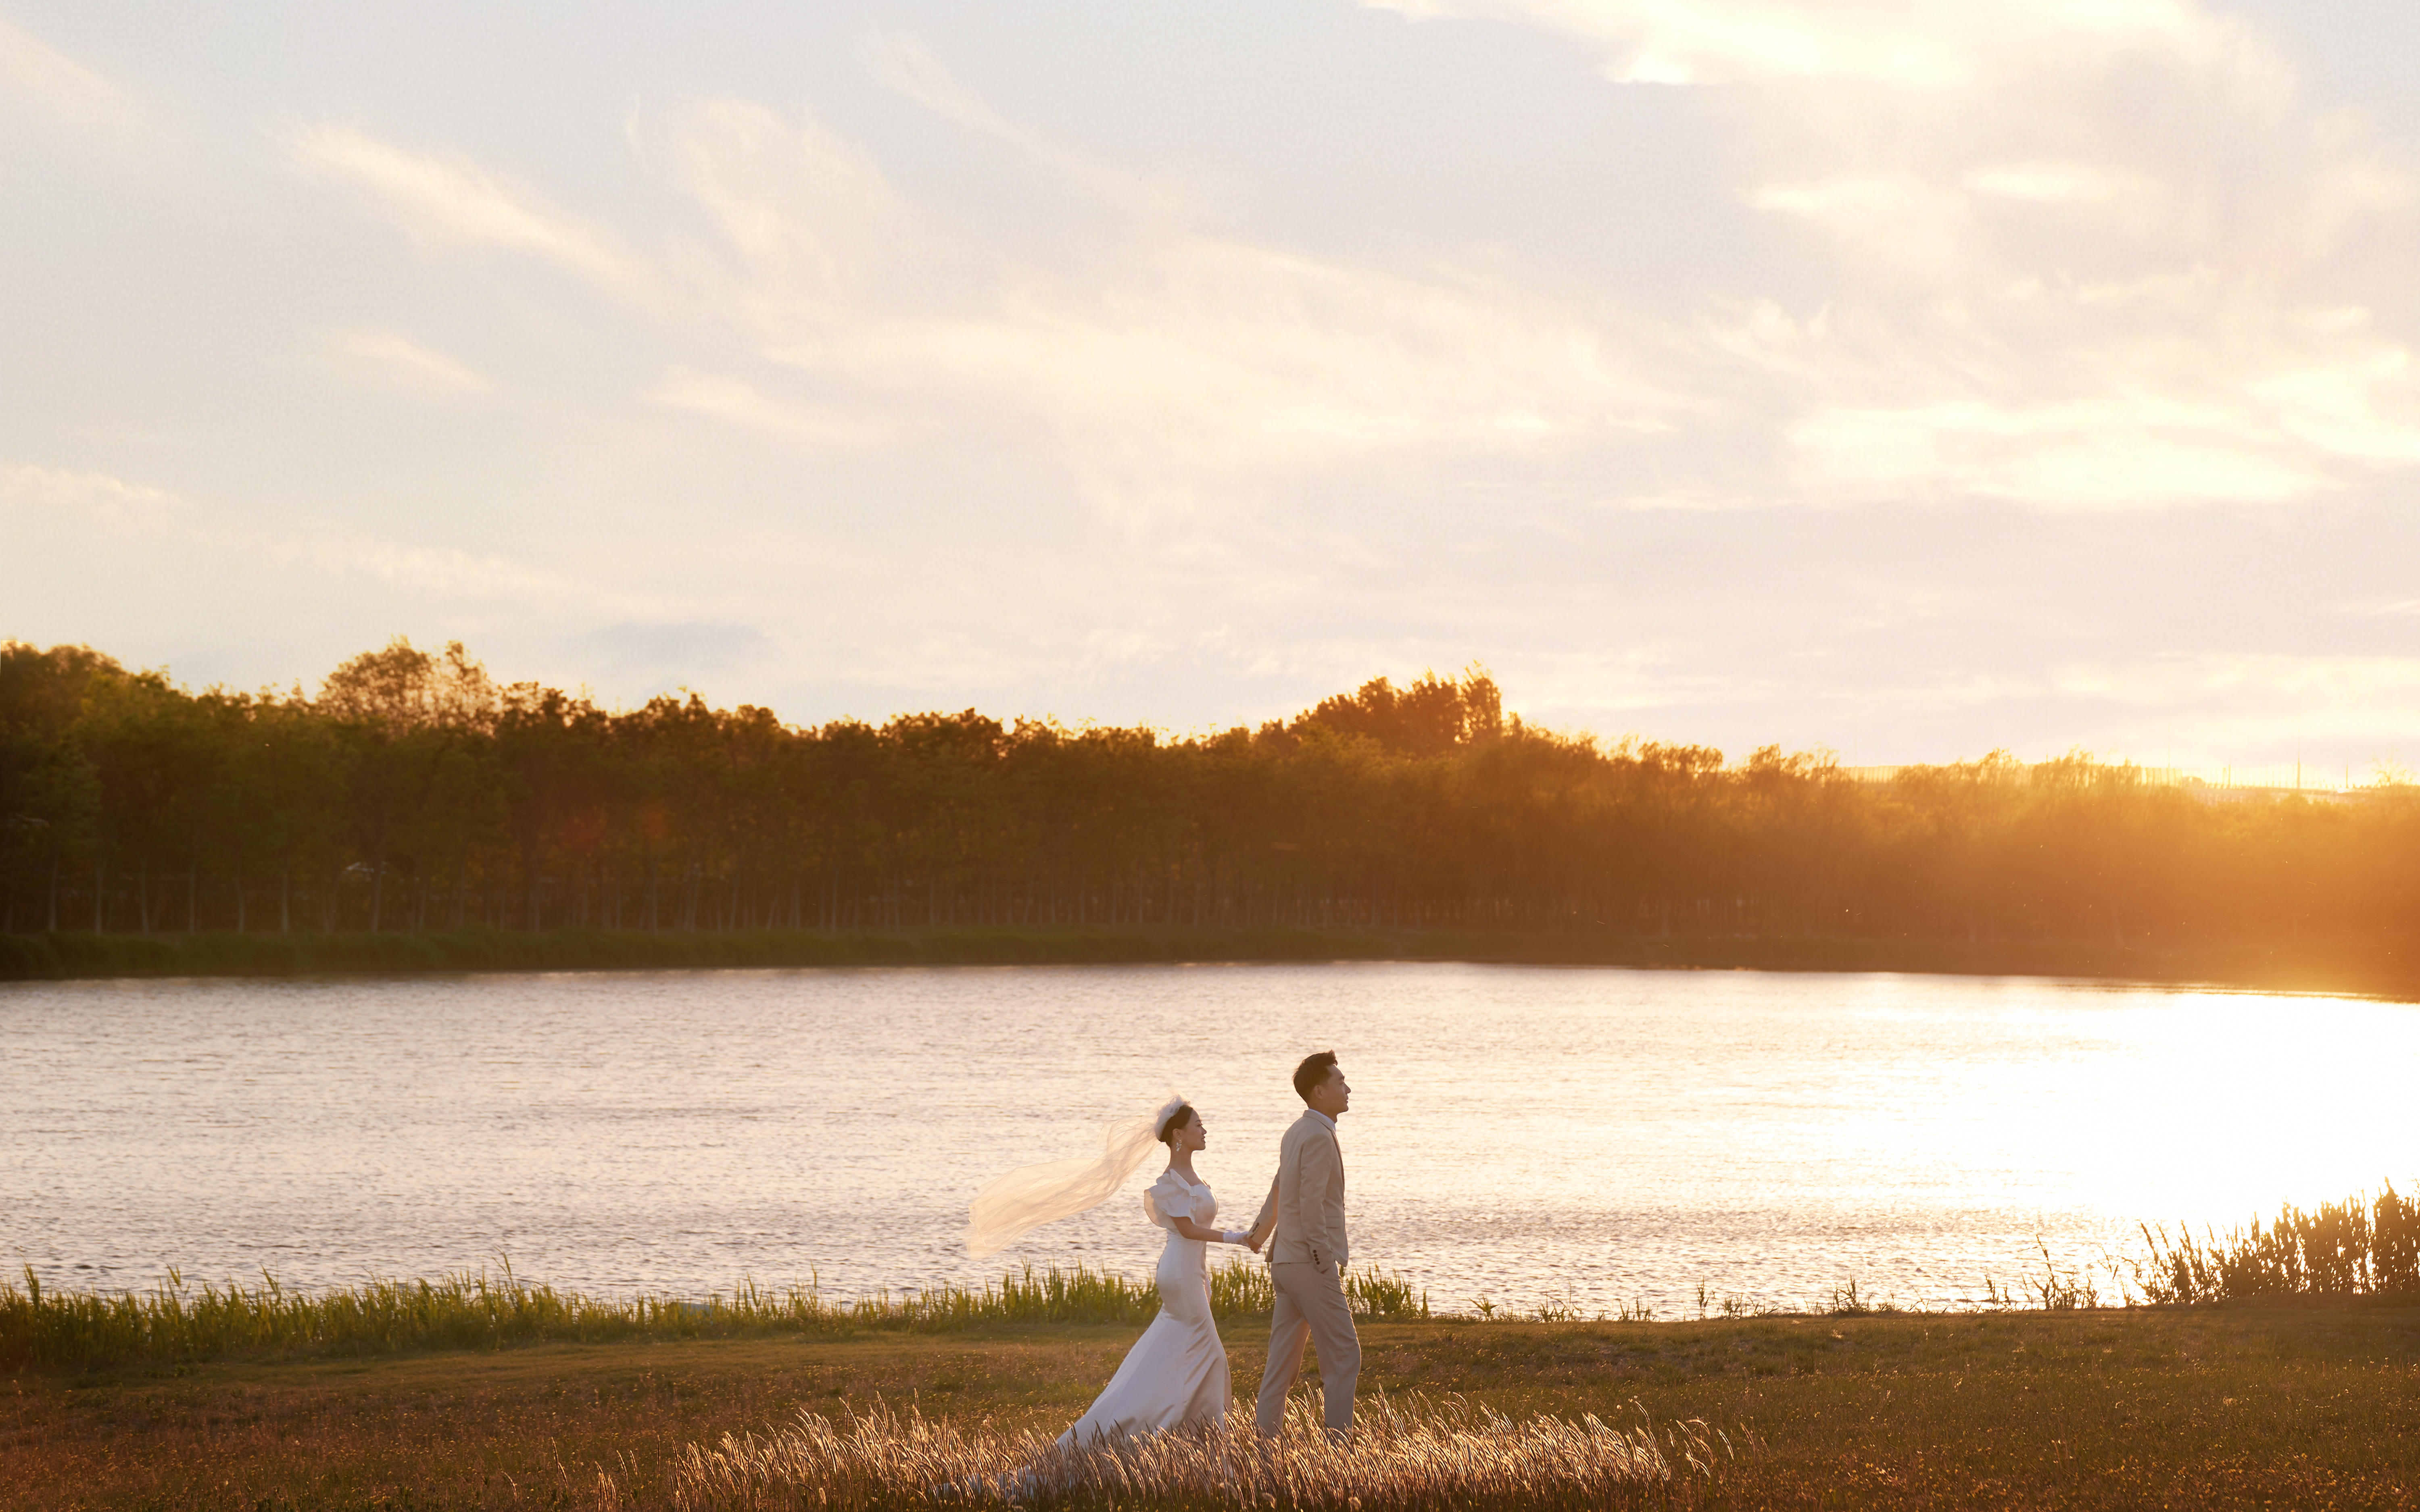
{"x": 2349, "y": 1248}
{"x": 1403, "y": 1456}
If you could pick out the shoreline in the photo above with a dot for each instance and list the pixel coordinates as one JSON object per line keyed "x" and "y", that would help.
{"x": 2364, "y": 969}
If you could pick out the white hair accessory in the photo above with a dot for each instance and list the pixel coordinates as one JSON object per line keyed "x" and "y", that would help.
{"x": 1028, "y": 1196}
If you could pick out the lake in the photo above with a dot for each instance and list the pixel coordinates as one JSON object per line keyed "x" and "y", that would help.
{"x": 1596, "y": 1138}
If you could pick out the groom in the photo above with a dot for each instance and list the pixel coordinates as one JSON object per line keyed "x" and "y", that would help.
{"x": 1309, "y": 1251}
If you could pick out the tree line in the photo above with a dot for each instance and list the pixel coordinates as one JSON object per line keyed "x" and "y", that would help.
{"x": 415, "y": 793}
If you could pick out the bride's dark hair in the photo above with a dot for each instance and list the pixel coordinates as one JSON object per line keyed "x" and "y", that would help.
{"x": 1175, "y": 1121}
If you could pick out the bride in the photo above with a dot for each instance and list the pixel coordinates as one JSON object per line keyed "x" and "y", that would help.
{"x": 1176, "y": 1373}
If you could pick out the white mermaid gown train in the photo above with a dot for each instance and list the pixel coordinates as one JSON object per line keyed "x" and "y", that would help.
{"x": 1176, "y": 1373}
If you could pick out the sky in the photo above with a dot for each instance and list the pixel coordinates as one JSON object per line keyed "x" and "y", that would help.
{"x": 1900, "y": 378}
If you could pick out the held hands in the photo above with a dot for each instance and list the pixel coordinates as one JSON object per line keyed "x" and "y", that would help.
{"x": 1261, "y": 1231}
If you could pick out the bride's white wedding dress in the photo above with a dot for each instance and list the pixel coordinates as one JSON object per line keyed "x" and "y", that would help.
{"x": 1177, "y": 1371}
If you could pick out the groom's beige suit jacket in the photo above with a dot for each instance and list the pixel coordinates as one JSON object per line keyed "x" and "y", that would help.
{"x": 1310, "y": 1198}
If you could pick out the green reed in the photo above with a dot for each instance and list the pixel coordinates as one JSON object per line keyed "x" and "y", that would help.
{"x": 175, "y": 1321}
{"x": 2358, "y": 1246}
{"x": 1375, "y": 1293}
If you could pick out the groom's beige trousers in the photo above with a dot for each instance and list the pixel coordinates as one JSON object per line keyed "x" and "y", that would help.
{"x": 1310, "y": 1308}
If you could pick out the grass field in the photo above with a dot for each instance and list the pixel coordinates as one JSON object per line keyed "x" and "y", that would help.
{"x": 2310, "y": 1404}
{"x": 2372, "y": 967}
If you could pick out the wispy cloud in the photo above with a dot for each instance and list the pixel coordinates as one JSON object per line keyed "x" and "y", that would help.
{"x": 96, "y": 498}
{"x": 2219, "y": 707}
{"x": 70, "y": 505}
{"x": 1933, "y": 44}
{"x": 907, "y": 65}
{"x": 47, "y": 96}
{"x": 1152, "y": 355}
{"x": 2361, "y": 688}
{"x": 445, "y": 572}
{"x": 736, "y": 402}
{"x": 2029, "y": 298}
{"x": 2097, "y": 455}
{"x": 396, "y": 359}
{"x": 2041, "y": 287}
{"x": 2055, "y": 183}
{"x": 447, "y": 201}
{"x": 1155, "y": 351}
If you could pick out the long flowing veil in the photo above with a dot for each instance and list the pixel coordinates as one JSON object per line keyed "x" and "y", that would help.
{"x": 1030, "y": 1195}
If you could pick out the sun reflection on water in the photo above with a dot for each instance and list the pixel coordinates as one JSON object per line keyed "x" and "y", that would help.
{"x": 1597, "y": 1137}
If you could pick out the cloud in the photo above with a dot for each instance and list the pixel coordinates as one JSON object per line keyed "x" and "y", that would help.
{"x": 442, "y": 571}
{"x": 2053, "y": 183}
{"x": 2330, "y": 682}
{"x": 96, "y": 498}
{"x": 1157, "y": 353}
{"x": 85, "y": 502}
{"x": 907, "y": 65}
{"x": 2218, "y": 703}
{"x": 46, "y": 96}
{"x": 1933, "y": 44}
{"x": 2103, "y": 454}
{"x": 1153, "y": 359}
{"x": 2030, "y": 282}
{"x": 399, "y": 361}
{"x": 448, "y": 202}
{"x": 2039, "y": 282}
{"x": 734, "y": 402}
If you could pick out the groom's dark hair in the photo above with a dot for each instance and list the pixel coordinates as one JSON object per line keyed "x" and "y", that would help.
{"x": 1312, "y": 1071}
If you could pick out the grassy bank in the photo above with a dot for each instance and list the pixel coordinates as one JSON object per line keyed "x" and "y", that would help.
{"x": 2367, "y": 967}
{"x": 2298, "y": 1384}
{"x": 176, "y": 1324}
{"x": 2313, "y": 1405}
